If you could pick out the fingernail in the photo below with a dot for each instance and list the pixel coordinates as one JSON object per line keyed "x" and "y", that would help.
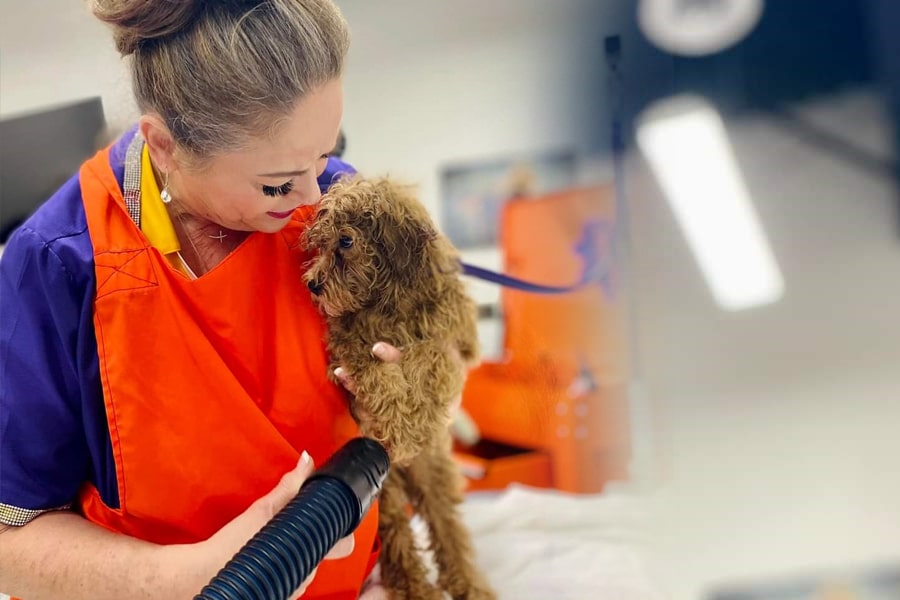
{"x": 339, "y": 373}
{"x": 305, "y": 459}
{"x": 379, "y": 350}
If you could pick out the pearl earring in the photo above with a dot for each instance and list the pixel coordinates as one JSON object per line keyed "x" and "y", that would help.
{"x": 164, "y": 195}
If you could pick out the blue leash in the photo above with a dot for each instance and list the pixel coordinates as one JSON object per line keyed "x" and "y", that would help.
{"x": 518, "y": 284}
{"x": 594, "y": 270}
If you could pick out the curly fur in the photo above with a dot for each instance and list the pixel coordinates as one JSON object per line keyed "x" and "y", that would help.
{"x": 382, "y": 272}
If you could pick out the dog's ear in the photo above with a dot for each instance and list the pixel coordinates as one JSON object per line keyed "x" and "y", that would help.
{"x": 406, "y": 241}
{"x": 430, "y": 253}
{"x": 439, "y": 253}
{"x": 405, "y": 233}
{"x": 425, "y": 234}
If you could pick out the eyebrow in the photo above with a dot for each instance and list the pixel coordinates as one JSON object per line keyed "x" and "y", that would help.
{"x": 288, "y": 173}
{"x": 282, "y": 174}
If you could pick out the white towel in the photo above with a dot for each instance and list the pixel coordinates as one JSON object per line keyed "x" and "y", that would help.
{"x": 546, "y": 545}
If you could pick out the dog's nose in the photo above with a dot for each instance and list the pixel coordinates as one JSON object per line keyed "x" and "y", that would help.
{"x": 314, "y": 286}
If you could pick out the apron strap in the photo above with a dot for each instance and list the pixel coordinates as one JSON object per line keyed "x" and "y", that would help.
{"x": 132, "y": 180}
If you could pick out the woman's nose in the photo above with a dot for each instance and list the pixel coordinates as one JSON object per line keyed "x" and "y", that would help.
{"x": 311, "y": 192}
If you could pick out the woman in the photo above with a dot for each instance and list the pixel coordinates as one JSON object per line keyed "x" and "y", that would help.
{"x": 162, "y": 364}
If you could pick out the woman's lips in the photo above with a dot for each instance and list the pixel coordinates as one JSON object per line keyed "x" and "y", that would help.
{"x": 281, "y": 215}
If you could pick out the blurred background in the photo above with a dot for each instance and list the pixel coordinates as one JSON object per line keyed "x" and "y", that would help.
{"x": 716, "y": 412}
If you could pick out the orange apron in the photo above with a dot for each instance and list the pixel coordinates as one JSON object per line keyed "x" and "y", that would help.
{"x": 212, "y": 387}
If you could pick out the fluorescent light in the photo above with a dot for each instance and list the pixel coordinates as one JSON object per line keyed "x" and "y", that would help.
{"x": 685, "y": 143}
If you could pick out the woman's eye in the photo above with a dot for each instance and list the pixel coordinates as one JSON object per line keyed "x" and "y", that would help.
{"x": 278, "y": 190}
{"x": 345, "y": 241}
{"x": 321, "y": 164}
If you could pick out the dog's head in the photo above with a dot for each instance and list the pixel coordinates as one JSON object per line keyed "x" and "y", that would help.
{"x": 374, "y": 244}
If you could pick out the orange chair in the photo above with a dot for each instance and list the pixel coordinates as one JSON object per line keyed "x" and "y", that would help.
{"x": 557, "y": 401}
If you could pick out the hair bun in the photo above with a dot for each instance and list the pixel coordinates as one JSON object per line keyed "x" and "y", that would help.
{"x": 135, "y": 21}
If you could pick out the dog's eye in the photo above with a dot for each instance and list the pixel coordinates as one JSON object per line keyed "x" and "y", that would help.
{"x": 345, "y": 241}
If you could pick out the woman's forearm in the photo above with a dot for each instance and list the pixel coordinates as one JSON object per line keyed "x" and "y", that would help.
{"x": 61, "y": 555}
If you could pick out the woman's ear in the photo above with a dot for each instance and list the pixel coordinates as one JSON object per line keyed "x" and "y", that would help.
{"x": 160, "y": 142}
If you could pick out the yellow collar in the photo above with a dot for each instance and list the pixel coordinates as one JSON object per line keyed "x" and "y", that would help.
{"x": 155, "y": 221}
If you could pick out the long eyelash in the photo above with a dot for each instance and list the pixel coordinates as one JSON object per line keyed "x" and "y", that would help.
{"x": 278, "y": 190}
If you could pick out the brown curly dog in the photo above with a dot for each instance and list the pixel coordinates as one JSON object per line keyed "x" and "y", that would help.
{"x": 382, "y": 272}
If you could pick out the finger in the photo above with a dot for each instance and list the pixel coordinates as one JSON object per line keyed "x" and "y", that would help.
{"x": 344, "y": 547}
{"x": 289, "y": 485}
{"x": 373, "y": 580}
{"x": 386, "y": 352}
{"x": 455, "y": 405}
{"x": 345, "y": 380}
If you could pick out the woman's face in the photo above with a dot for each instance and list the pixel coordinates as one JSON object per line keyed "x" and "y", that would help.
{"x": 257, "y": 189}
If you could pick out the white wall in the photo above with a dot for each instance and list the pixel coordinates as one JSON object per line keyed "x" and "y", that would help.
{"x": 53, "y": 52}
{"x": 412, "y": 113}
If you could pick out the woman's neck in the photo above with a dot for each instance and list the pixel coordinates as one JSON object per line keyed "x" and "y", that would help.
{"x": 204, "y": 244}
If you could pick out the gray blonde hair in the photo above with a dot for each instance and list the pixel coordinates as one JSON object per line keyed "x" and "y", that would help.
{"x": 223, "y": 72}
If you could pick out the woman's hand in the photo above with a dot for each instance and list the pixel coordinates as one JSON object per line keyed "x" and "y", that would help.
{"x": 210, "y": 556}
{"x": 391, "y": 354}
{"x": 381, "y": 350}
